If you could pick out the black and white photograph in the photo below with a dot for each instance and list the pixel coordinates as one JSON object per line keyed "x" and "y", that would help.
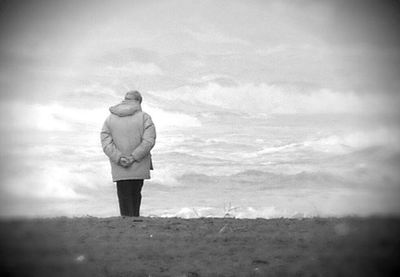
{"x": 192, "y": 138}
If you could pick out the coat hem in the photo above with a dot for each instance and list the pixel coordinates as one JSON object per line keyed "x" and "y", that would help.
{"x": 130, "y": 178}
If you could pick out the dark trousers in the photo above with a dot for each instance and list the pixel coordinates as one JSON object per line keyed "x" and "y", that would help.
{"x": 129, "y": 196}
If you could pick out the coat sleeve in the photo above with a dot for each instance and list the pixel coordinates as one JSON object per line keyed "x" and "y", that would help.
{"x": 148, "y": 139}
{"x": 107, "y": 142}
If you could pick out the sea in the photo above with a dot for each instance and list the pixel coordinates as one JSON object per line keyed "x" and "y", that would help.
{"x": 228, "y": 164}
{"x": 270, "y": 166}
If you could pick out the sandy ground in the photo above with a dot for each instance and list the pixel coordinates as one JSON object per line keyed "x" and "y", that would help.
{"x": 200, "y": 247}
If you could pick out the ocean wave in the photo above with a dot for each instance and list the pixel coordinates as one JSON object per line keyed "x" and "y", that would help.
{"x": 263, "y": 179}
{"x": 337, "y": 143}
{"x": 284, "y": 147}
{"x": 167, "y": 121}
{"x": 356, "y": 141}
{"x": 382, "y": 154}
{"x": 269, "y": 98}
{"x": 188, "y": 157}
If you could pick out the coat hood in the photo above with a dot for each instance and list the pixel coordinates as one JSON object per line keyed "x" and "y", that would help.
{"x": 126, "y": 108}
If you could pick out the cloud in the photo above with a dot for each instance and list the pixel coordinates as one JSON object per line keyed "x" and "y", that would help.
{"x": 134, "y": 68}
{"x": 208, "y": 35}
{"x": 94, "y": 90}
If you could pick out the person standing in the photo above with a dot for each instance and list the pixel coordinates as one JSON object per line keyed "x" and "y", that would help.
{"x": 127, "y": 137}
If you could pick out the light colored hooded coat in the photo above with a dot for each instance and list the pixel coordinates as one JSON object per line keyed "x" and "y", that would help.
{"x": 128, "y": 131}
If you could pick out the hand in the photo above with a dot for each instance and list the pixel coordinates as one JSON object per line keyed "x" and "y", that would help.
{"x": 126, "y": 161}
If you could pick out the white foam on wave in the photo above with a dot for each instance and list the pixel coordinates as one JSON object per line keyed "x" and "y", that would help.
{"x": 165, "y": 120}
{"x": 339, "y": 144}
{"x": 284, "y": 147}
{"x": 356, "y": 141}
{"x": 234, "y": 212}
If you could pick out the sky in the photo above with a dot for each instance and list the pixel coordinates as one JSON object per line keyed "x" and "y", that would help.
{"x": 63, "y": 63}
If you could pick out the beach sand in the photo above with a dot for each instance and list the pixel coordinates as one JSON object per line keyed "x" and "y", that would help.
{"x": 90, "y": 246}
